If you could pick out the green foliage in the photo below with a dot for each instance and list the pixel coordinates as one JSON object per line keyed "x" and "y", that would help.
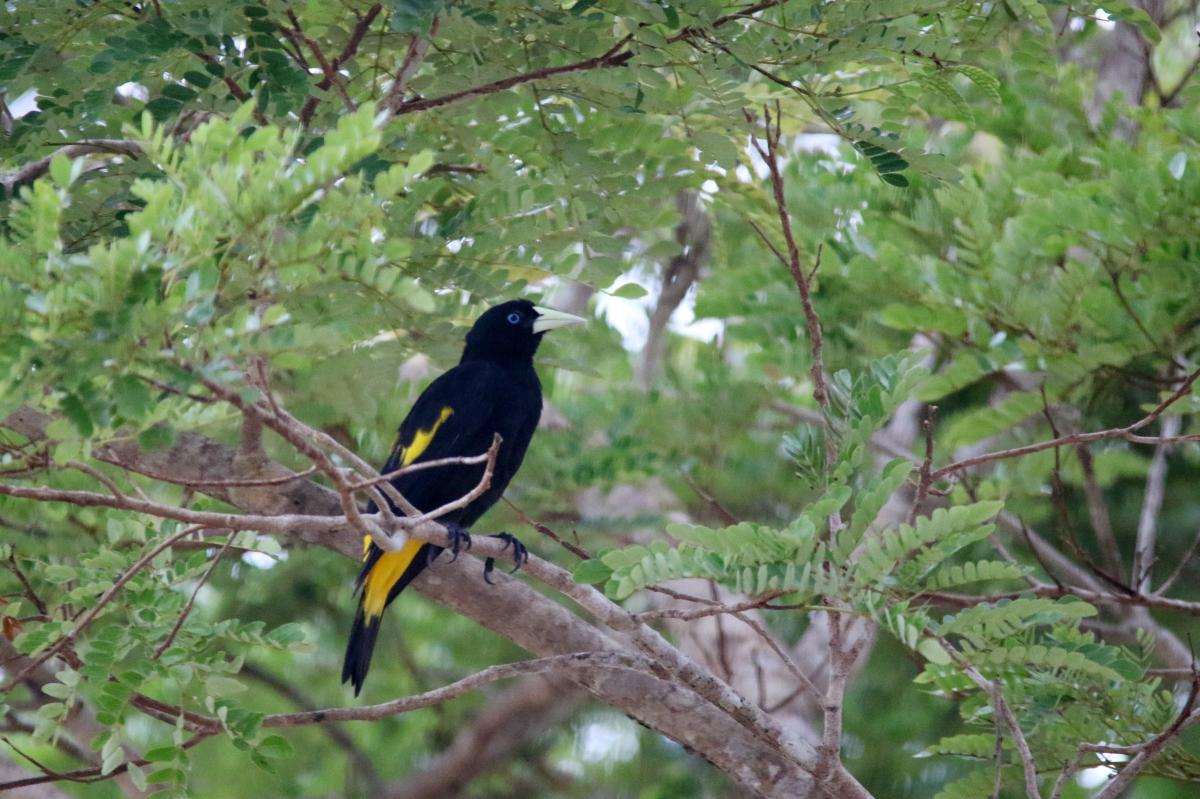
{"x": 984, "y": 243}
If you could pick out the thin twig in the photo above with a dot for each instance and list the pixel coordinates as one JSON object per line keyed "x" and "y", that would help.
{"x": 1005, "y": 715}
{"x": 94, "y": 774}
{"x": 1098, "y": 512}
{"x": 192, "y": 599}
{"x": 926, "y": 464}
{"x": 83, "y": 623}
{"x": 49, "y": 772}
{"x": 485, "y": 482}
{"x": 770, "y": 155}
{"x": 721, "y": 511}
{"x": 801, "y": 678}
{"x": 1145, "y": 752}
{"x": 1179, "y": 567}
{"x": 98, "y": 475}
{"x": 460, "y": 460}
{"x": 348, "y": 51}
{"x": 575, "y": 661}
{"x": 1126, "y": 432}
{"x": 264, "y": 481}
{"x": 1064, "y": 777}
{"x": 574, "y": 549}
{"x": 710, "y": 610}
{"x": 615, "y": 56}
{"x": 327, "y": 68}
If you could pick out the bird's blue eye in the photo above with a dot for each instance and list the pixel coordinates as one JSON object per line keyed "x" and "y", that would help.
{"x": 514, "y": 319}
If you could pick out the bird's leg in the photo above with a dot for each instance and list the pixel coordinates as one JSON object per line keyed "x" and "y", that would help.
{"x": 520, "y": 555}
{"x": 460, "y": 539}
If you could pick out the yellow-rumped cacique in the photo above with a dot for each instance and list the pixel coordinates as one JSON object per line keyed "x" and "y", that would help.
{"x": 493, "y": 389}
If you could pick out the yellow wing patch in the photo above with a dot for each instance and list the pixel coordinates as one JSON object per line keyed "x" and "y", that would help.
{"x": 391, "y": 565}
{"x": 422, "y": 438}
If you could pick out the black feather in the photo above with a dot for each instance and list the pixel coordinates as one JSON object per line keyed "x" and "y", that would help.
{"x": 494, "y": 389}
{"x": 359, "y": 649}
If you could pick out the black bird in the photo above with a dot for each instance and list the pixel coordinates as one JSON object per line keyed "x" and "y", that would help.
{"x": 493, "y": 389}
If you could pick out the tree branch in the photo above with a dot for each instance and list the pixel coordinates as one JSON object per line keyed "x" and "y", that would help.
{"x": 1126, "y": 433}
{"x": 511, "y": 609}
{"x": 770, "y": 155}
{"x": 1147, "y": 531}
{"x": 510, "y": 721}
{"x": 1146, "y": 752}
{"x": 349, "y": 50}
{"x": 575, "y": 661}
{"x": 694, "y": 236}
{"x": 30, "y": 172}
{"x": 615, "y": 56}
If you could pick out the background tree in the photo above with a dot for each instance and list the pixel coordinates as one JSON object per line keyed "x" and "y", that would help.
{"x": 879, "y": 464}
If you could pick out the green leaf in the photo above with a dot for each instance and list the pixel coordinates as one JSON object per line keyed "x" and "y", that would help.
{"x": 158, "y": 437}
{"x": 60, "y": 170}
{"x": 131, "y": 396}
{"x": 58, "y": 573}
{"x": 75, "y": 410}
{"x": 869, "y": 501}
{"x": 629, "y": 291}
{"x": 162, "y": 108}
{"x": 936, "y": 83}
{"x": 177, "y": 91}
{"x": 592, "y": 571}
{"x": 983, "y": 79}
{"x": 990, "y": 420}
{"x": 275, "y": 746}
{"x": 137, "y": 776}
{"x": 57, "y": 690}
{"x": 419, "y": 164}
{"x": 926, "y": 318}
{"x": 286, "y": 635}
{"x": 218, "y": 686}
{"x": 198, "y": 79}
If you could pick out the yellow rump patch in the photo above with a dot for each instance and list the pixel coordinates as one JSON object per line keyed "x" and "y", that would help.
{"x": 384, "y": 574}
{"x": 391, "y": 565}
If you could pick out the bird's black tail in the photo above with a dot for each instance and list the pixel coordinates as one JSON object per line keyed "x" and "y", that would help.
{"x": 383, "y": 576}
{"x": 359, "y": 649}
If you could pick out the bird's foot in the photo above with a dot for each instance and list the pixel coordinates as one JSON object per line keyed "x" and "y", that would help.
{"x": 460, "y": 539}
{"x": 520, "y": 555}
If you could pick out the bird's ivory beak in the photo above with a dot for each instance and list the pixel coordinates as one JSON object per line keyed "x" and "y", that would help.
{"x": 550, "y": 319}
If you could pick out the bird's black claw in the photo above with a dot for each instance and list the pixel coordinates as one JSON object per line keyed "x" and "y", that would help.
{"x": 460, "y": 540}
{"x": 520, "y": 553}
{"x": 488, "y": 565}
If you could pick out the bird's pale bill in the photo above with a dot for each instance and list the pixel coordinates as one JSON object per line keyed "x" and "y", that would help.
{"x": 550, "y": 319}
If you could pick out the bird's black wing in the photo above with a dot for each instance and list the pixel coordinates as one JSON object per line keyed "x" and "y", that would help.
{"x": 456, "y": 416}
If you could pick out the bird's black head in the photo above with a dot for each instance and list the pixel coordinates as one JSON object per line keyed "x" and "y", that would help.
{"x": 512, "y": 331}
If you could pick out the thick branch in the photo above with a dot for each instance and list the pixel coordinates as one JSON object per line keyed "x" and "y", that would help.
{"x": 694, "y": 236}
